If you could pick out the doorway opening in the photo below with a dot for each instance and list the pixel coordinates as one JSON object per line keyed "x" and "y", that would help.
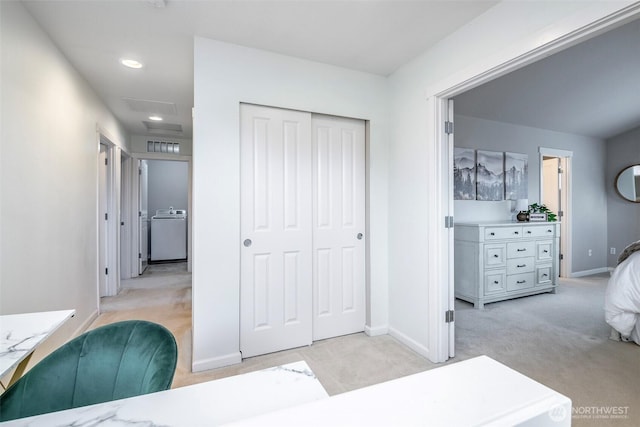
{"x": 555, "y": 193}
{"x": 443, "y": 336}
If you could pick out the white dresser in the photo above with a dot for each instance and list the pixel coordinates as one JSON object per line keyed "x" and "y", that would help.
{"x": 495, "y": 261}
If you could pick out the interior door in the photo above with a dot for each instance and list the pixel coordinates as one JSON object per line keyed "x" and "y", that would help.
{"x": 143, "y": 216}
{"x": 338, "y": 226}
{"x": 276, "y": 232}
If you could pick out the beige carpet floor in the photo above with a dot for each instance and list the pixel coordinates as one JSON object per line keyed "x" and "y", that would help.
{"x": 560, "y": 340}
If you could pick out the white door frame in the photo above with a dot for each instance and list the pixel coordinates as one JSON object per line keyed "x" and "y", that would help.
{"x": 111, "y": 251}
{"x": 566, "y": 223}
{"x": 135, "y": 195}
{"x": 440, "y": 281}
{"x": 126, "y": 217}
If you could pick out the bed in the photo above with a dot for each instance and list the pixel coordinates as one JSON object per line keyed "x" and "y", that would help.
{"x": 622, "y": 298}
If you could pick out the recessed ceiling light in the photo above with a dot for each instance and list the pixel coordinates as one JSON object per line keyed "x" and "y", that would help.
{"x": 155, "y": 118}
{"x": 131, "y": 63}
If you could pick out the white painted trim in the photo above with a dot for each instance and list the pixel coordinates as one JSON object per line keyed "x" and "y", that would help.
{"x": 376, "y": 331}
{"x": 554, "y": 152}
{"x": 590, "y": 272}
{"x": 216, "y": 362}
{"x": 412, "y": 344}
{"x": 573, "y": 30}
{"x": 566, "y": 225}
{"x": 85, "y": 325}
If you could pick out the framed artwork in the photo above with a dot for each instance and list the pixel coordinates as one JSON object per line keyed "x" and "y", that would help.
{"x": 489, "y": 175}
{"x": 516, "y": 176}
{"x": 464, "y": 173}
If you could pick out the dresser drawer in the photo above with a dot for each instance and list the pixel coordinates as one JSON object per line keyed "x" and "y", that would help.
{"x": 539, "y": 231}
{"x": 517, "y": 282}
{"x": 496, "y": 233}
{"x": 520, "y": 249}
{"x": 544, "y": 250}
{"x": 495, "y": 255}
{"x": 520, "y": 265}
{"x": 495, "y": 282}
{"x": 543, "y": 275}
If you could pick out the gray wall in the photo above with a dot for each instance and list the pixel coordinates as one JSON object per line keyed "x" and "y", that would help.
{"x": 168, "y": 185}
{"x": 623, "y": 226}
{"x": 589, "y": 193}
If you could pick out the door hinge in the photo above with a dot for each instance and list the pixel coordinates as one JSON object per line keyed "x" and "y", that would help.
{"x": 106, "y": 217}
{"x": 139, "y": 213}
{"x": 139, "y": 171}
{"x": 449, "y": 316}
{"x": 139, "y": 255}
{"x": 106, "y": 162}
{"x": 106, "y": 271}
{"x": 560, "y": 214}
{"x": 448, "y": 127}
{"x": 448, "y": 222}
{"x": 561, "y": 256}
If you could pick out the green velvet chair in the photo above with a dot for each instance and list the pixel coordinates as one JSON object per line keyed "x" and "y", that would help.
{"x": 114, "y": 361}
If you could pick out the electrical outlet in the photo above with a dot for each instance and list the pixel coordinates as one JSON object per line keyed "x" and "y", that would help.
{"x": 612, "y": 251}
{"x": 590, "y": 252}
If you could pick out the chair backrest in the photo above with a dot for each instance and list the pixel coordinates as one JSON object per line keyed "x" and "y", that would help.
{"x": 114, "y": 361}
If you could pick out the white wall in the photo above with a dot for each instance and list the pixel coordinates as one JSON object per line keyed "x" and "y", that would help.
{"x": 225, "y": 76}
{"x": 418, "y": 245}
{"x": 623, "y": 216}
{"x": 589, "y": 225}
{"x": 48, "y": 176}
{"x": 168, "y": 185}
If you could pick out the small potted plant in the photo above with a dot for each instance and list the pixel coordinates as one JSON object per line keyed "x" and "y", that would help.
{"x": 538, "y": 212}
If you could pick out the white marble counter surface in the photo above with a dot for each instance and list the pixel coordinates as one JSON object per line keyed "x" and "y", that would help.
{"x": 205, "y": 404}
{"x": 475, "y": 392}
{"x": 20, "y": 334}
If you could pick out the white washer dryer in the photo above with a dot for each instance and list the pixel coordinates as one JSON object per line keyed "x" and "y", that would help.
{"x": 169, "y": 235}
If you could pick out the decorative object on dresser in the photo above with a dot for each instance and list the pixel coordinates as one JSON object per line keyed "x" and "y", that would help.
{"x": 522, "y": 207}
{"x": 502, "y": 260}
{"x": 539, "y": 212}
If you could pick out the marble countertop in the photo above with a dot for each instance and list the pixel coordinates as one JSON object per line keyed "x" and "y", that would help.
{"x": 206, "y": 404}
{"x": 474, "y": 392}
{"x": 20, "y": 334}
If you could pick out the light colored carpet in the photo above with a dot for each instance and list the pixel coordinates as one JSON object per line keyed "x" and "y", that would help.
{"x": 560, "y": 340}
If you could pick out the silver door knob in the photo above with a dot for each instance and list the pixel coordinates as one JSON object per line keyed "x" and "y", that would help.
{"x": 247, "y": 243}
{"x": 360, "y": 236}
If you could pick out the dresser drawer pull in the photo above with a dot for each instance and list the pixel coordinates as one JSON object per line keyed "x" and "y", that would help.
{"x": 520, "y": 282}
{"x": 521, "y": 265}
{"x": 496, "y": 256}
{"x": 528, "y": 231}
{"x": 545, "y": 251}
{"x": 492, "y": 233}
{"x": 495, "y": 282}
{"x": 521, "y": 250}
{"x": 545, "y": 275}
{"x": 549, "y": 231}
{"x": 516, "y": 232}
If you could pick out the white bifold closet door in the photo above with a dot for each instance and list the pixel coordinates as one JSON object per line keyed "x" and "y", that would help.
{"x": 302, "y": 228}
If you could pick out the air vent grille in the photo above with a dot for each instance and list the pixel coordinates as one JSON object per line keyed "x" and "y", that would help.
{"x": 163, "y": 147}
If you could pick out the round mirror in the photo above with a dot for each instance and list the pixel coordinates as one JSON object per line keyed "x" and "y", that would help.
{"x": 628, "y": 183}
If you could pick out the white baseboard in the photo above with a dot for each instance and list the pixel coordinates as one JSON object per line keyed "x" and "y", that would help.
{"x": 375, "y": 331}
{"x": 590, "y": 272}
{"x": 409, "y": 342}
{"x": 216, "y": 362}
{"x": 85, "y": 325}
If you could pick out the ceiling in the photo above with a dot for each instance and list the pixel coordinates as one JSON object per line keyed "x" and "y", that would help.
{"x": 590, "y": 89}
{"x": 372, "y": 36}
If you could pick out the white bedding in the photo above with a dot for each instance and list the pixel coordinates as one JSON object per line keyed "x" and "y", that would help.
{"x": 622, "y": 299}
